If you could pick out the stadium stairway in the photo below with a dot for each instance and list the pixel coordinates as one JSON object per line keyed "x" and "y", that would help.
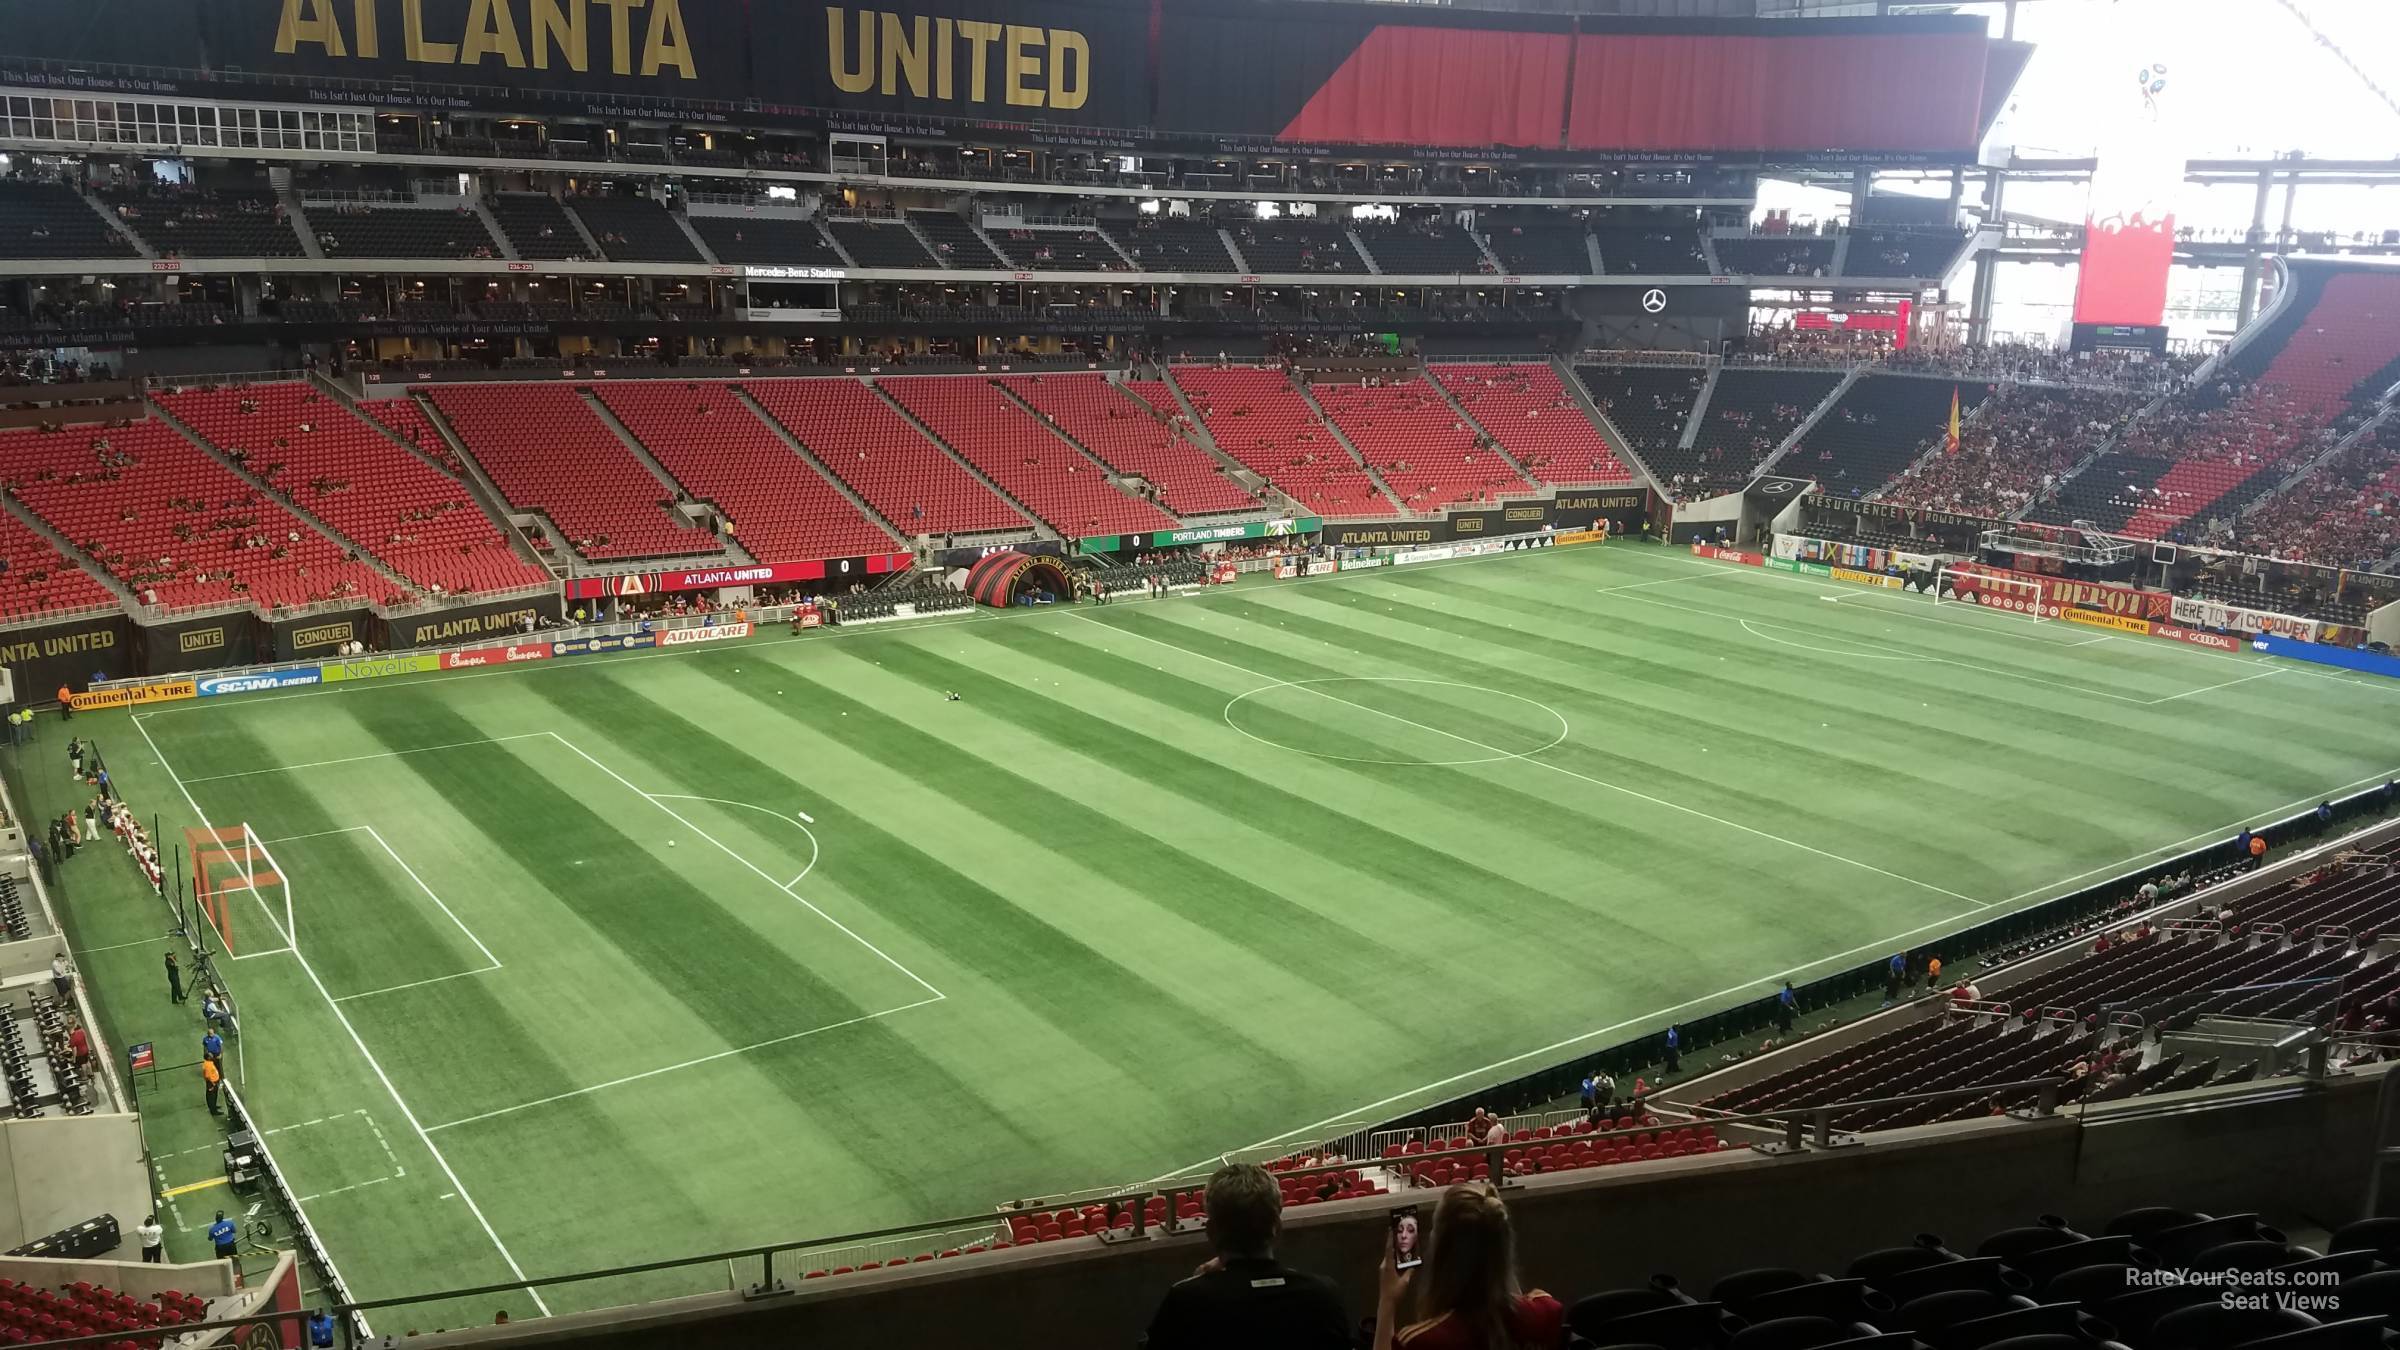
{"x": 414, "y": 420}
{"x": 173, "y": 415}
{"x": 832, "y": 479}
{"x": 1800, "y": 433}
{"x": 1255, "y": 416}
{"x": 1545, "y": 432}
{"x": 666, "y": 480}
{"x": 1418, "y": 444}
{"x": 866, "y": 441}
{"x": 1046, "y": 474}
{"x": 1650, "y": 410}
{"x": 1440, "y": 380}
{"x": 43, "y": 573}
{"x": 1097, "y": 416}
{"x": 1877, "y": 428}
{"x": 1342, "y": 438}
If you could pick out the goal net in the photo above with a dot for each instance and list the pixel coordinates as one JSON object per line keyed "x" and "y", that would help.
{"x": 240, "y": 890}
{"x": 2009, "y": 595}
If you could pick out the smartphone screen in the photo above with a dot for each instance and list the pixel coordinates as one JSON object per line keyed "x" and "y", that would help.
{"x": 1408, "y": 1238}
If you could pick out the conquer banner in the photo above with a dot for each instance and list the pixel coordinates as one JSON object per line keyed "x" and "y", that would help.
{"x": 2191, "y": 609}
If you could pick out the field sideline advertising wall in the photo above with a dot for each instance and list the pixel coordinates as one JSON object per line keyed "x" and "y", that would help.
{"x": 1241, "y": 71}
{"x": 496, "y": 620}
{"x": 224, "y": 639}
{"x": 40, "y": 658}
{"x": 318, "y": 634}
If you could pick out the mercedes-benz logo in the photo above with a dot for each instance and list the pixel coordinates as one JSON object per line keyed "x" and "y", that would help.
{"x": 1654, "y": 301}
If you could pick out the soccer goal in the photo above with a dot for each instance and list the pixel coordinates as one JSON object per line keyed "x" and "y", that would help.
{"x": 240, "y": 889}
{"x": 2009, "y": 595}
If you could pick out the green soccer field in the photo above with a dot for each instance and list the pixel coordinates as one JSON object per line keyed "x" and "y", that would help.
{"x": 617, "y": 959}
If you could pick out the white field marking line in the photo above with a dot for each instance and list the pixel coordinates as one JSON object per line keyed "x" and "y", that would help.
{"x": 397, "y": 1172}
{"x": 1643, "y": 585}
{"x": 794, "y": 820}
{"x": 368, "y": 1055}
{"x": 120, "y": 946}
{"x": 687, "y": 1064}
{"x": 314, "y": 834}
{"x": 2104, "y": 637}
{"x": 417, "y": 984}
{"x": 361, "y": 759}
{"x": 2222, "y": 832}
{"x": 377, "y": 836}
{"x": 445, "y": 677}
{"x": 1556, "y": 1046}
{"x": 753, "y": 867}
{"x": 1571, "y": 773}
{"x": 2214, "y": 687}
{"x": 1564, "y": 730}
{"x": 1828, "y": 651}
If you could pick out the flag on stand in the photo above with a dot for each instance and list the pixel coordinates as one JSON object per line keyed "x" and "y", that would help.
{"x": 1953, "y": 445}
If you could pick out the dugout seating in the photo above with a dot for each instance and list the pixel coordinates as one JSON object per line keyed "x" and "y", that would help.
{"x": 1529, "y": 411}
{"x": 35, "y": 578}
{"x": 1424, "y": 450}
{"x": 49, "y": 220}
{"x": 548, "y": 451}
{"x": 1878, "y": 427}
{"x": 1651, "y": 250}
{"x": 634, "y": 229}
{"x": 956, "y": 242}
{"x": 776, "y": 504}
{"x": 1124, "y": 434}
{"x": 1063, "y": 250}
{"x": 358, "y": 231}
{"x": 768, "y": 240}
{"x": 1050, "y": 478}
{"x": 1750, "y": 412}
{"x": 1901, "y": 253}
{"x": 1423, "y": 250}
{"x": 1257, "y": 417}
{"x": 220, "y": 224}
{"x": 537, "y": 225}
{"x": 328, "y": 462}
{"x": 1648, "y": 405}
{"x": 1541, "y": 250}
{"x": 31, "y": 1314}
{"x": 890, "y": 464}
{"x": 1775, "y": 255}
{"x": 1297, "y": 246}
{"x": 1161, "y": 245}
{"x": 880, "y": 243}
{"x": 177, "y": 527}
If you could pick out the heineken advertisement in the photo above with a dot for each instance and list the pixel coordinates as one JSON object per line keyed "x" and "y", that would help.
{"x": 1199, "y": 534}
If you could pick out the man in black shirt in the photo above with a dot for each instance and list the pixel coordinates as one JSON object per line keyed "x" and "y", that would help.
{"x": 1243, "y": 1297}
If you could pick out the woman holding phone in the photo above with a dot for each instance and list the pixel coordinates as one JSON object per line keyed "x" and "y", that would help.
{"x": 1467, "y": 1296}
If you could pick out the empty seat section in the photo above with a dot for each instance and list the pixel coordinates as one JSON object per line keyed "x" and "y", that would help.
{"x": 547, "y": 451}
{"x": 880, "y": 243}
{"x": 1157, "y": 245}
{"x": 1671, "y": 249}
{"x": 890, "y": 464}
{"x": 48, "y": 220}
{"x": 1542, "y": 249}
{"x": 1649, "y": 405}
{"x": 1132, "y": 441}
{"x": 634, "y": 229}
{"x": 360, "y": 231}
{"x": 1529, "y": 411}
{"x": 1257, "y": 417}
{"x": 767, "y": 240}
{"x": 328, "y": 462}
{"x": 1750, "y": 412}
{"x": 1901, "y": 253}
{"x": 176, "y": 526}
{"x": 1423, "y": 250}
{"x": 1425, "y": 451}
{"x": 1878, "y": 425}
{"x": 219, "y": 224}
{"x": 1014, "y": 449}
{"x": 779, "y": 506}
{"x": 537, "y": 226}
{"x": 406, "y": 418}
{"x": 1061, "y": 250}
{"x": 36, "y": 579}
{"x": 955, "y": 241}
{"x": 1775, "y": 255}
{"x": 1297, "y": 246}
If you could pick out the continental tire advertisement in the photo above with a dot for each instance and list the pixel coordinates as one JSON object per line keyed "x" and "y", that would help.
{"x": 72, "y": 654}
{"x": 136, "y": 695}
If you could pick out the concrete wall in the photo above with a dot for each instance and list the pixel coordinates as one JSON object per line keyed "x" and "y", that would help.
{"x": 60, "y": 1170}
{"x": 208, "y": 1279}
{"x": 2296, "y": 1152}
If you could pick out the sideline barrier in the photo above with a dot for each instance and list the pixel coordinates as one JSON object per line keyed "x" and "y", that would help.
{"x": 1731, "y": 555}
{"x": 128, "y": 695}
{"x": 2370, "y": 663}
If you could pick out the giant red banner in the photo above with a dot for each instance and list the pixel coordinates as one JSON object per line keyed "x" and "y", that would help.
{"x": 2059, "y": 593}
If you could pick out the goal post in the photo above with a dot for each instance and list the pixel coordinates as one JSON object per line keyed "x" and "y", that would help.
{"x": 240, "y": 890}
{"x": 2022, "y": 596}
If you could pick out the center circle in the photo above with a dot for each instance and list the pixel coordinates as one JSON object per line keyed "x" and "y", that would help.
{"x": 1284, "y": 714}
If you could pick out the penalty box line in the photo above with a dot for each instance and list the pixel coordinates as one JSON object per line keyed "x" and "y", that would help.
{"x": 693, "y": 1063}
{"x": 374, "y": 1065}
{"x": 491, "y": 962}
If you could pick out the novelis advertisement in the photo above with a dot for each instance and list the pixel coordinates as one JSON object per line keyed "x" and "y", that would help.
{"x": 377, "y": 667}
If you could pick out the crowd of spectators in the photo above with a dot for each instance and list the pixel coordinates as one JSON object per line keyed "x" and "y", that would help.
{"x": 2346, "y": 513}
{"x": 2021, "y": 443}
